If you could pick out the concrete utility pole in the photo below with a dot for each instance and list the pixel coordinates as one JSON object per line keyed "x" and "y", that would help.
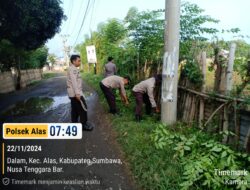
{"x": 66, "y": 49}
{"x": 170, "y": 63}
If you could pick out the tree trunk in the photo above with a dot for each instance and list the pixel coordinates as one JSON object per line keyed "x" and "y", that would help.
{"x": 18, "y": 84}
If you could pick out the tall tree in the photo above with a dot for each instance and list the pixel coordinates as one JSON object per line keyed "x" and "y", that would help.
{"x": 28, "y": 24}
{"x": 141, "y": 36}
{"x": 108, "y": 40}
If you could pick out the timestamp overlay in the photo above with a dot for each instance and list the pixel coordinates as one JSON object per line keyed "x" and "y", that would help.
{"x": 48, "y": 156}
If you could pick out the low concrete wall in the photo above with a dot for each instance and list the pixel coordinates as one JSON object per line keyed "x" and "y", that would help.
{"x": 27, "y": 76}
{"x": 8, "y": 80}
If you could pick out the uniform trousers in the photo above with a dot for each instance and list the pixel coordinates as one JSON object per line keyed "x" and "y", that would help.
{"x": 110, "y": 97}
{"x": 78, "y": 111}
{"x": 141, "y": 98}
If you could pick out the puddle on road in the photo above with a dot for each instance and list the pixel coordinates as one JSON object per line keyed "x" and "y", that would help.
{"x": 58, "y": 100}
{"x": 30, "y": 106}
{"x": 36, "y": 105}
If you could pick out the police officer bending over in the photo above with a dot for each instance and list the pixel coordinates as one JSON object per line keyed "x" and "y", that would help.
{"x": 114, "y": 82}
{"x": 74, "y": 88}
{"x": 144, "y": 93}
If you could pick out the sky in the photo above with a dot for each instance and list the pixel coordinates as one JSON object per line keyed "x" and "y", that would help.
{"x": 231, "y": 14}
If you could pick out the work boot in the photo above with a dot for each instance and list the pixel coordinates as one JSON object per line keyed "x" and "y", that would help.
{"x": 87, "y": 127}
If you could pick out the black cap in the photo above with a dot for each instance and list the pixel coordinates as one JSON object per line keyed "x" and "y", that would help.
{"x": 158, "y": 78}
{"x": 110, "y": 58}
{"x": 128, "y": 78}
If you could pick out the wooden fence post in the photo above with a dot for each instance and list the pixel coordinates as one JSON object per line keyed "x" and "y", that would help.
{"x": 229, "y": 76}
{"x": 228, "y": 87}
{"x": 203, "y": 89}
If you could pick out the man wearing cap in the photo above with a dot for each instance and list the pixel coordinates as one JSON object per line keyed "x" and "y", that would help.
{"x": 110, "y": 67}
{"x": 74, "y": 88}
{"x": 114, "y": 82}
{"x": 144, "y": 93}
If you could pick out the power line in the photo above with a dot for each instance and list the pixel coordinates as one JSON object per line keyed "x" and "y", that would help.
{"x": 85, "y": 14}
{"x": 64, "y": 24}
{"x": 78, "y": 13}
{"x": 96, "y": 8}
{"x": 90, "y": 22}
{"x": 70, "y": 12}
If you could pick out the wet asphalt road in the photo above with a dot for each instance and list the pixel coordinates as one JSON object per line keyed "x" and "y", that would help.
{"x": 100, "y": 143}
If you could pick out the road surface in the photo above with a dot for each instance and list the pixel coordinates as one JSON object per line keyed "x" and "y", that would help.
{"x": 100, "y": 143}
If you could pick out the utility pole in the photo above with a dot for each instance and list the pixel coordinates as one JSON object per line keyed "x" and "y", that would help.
{"x": 66, "y": 49}
{"x": 170, "y": 62}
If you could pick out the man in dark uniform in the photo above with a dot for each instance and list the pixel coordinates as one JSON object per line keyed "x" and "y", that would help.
{"x": 74, "y": 88}
{"x": 114, "y": 82}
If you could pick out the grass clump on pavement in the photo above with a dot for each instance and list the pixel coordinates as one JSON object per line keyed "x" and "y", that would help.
{"x": 48, "y": 75}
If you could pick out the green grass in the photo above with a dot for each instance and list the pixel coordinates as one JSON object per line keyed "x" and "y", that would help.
{"x": 48, "y": 75}
{"x": 44, "y": 77}
{"x": 34, "y": 82}
{"x": 151, "y": 168}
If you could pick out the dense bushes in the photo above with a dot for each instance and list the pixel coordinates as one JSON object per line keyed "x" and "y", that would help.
{"x": 177, "y": 157}
{"x": 204, "y": 160}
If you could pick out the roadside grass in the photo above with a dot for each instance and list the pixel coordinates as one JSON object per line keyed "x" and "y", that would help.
{"x": 34, "y": 82}
{"x": 48, "y": 75}
{"x": 176, "y": 165}
{"x": 44, "y": 77}
{"x": 152, "y": 169}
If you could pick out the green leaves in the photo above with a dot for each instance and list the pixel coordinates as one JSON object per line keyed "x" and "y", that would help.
{"x": 192, "y": 23}
{"x": 187, "y": 148}
{"x": 200, "y": 158}
{"x": 224, "y": 154}
{"x": 161, "y": 137}
{"x": 192, "y": 71}
{"x": 137, "y": 42}
{"x": 146, "y": 31}
{"x": 38, "y": 21}
{"x": 25, "y": 29}
{"x": 216, "y": 149}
